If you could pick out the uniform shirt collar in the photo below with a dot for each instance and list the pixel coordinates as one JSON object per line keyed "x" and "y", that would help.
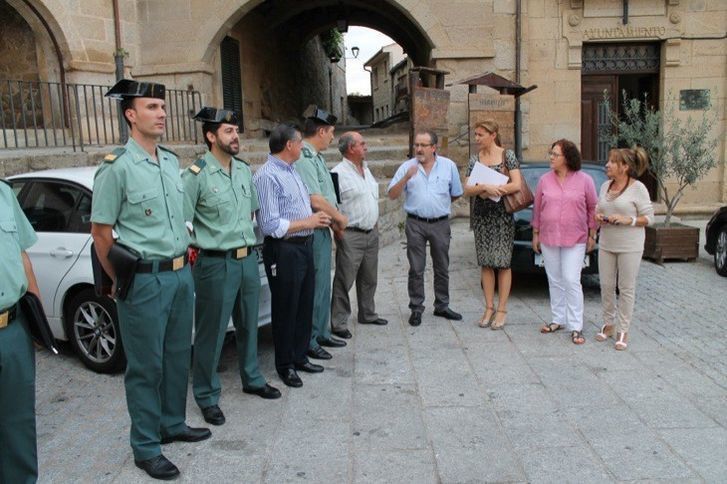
{"x": 213, "y": 163}
{"x": 139, "y": 154}
{"x": 310, "y": 147}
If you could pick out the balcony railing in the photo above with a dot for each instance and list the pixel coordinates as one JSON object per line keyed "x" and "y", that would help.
{"x": 37, "y": 114}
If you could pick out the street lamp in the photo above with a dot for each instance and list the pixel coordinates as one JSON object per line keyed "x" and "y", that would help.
{"x": 335, "y": 57}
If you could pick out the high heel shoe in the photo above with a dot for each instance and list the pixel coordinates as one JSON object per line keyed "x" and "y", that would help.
{"x": 605, "y": 333}
{"x": 499, "y": 324}
{"x": 485, "y": 321}
{"x": 621, "y": 342}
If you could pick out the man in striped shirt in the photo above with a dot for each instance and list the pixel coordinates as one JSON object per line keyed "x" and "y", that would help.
{"x": 286, "y": 220}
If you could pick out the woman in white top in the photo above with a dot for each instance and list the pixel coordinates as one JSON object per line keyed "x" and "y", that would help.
{"x": 623, "y": 209}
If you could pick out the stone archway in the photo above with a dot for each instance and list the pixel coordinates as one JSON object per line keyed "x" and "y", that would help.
{"x": 299, "y": 21}
{"x": 282, "y": 68}
{"x": 48, "y": 41}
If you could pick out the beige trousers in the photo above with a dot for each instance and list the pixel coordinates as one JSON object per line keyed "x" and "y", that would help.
{"x": 618, "y": 268}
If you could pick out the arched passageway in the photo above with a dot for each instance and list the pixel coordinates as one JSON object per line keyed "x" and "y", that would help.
{"x": 272, "y": 57}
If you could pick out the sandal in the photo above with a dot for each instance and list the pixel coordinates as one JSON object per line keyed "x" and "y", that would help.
{"x": 605, "y": 333}
{"x": 577, "y": 337}
{"x": 498, "y": 324}
{"x": 486, "y": 321}
{"x": 621, "y": 342}
{"x": 551, "y": 328}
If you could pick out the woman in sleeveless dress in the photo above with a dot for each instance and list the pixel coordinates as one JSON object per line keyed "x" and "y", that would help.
{"x": 493, "y": 227}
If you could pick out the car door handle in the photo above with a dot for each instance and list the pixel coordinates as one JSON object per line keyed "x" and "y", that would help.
{"x": 61, "y": 252}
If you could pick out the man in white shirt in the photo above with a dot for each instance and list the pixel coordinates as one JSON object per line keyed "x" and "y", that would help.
{"x": 357, "y": 250}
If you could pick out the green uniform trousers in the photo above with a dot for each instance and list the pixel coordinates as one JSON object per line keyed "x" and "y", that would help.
{"x": 224, "y": 287}
{"x": 322, "y": 249}
{"x": 18, "y": 454}
{"x": 156, "y": 329}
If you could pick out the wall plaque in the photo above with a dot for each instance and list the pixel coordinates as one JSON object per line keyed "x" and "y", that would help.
{"x": 693, "y": 99}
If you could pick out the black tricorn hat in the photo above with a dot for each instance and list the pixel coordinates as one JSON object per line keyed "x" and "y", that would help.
{"x": 214, "y": 115}
{"x": 312, "y": 112}
{"x": 128, "y": 88}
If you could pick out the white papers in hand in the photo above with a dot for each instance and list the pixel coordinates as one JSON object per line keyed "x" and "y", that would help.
{"x": 484, "y": 175}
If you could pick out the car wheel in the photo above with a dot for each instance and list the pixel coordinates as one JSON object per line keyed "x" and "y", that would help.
{"x": 720, "y": 252}
{"x": 92, "y": 326}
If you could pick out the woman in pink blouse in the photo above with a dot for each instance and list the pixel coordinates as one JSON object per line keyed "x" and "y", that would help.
{"x": 564, "y": 229}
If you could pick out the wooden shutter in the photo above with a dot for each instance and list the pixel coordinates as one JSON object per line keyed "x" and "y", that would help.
{"x": 231, "y": 80}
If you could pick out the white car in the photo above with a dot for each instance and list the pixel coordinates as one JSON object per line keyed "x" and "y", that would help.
{"x": 58, "y": 206}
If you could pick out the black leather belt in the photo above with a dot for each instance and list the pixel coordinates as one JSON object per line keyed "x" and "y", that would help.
{"x": 238, "y": 253}
{"x": 427, "y": 220}
{"x": 293, "y": 240}
{"x": 7, "y": 315}
{"x": 175, "y": 264}
{"x": 358, "y": 229}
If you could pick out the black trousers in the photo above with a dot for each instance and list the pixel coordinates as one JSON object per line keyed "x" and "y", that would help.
{"x": 291, "y": 277}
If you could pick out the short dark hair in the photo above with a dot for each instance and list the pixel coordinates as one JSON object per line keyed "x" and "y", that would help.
{"x": 280, "y": 136}
{"x": 126, "y": 103}
{"x": 208, "y": 127}
{"x": 345, "y": 142}
{"x": 570, "y": 153}
{"x": 311, "y": 127}
{"x": 433, "y": 138}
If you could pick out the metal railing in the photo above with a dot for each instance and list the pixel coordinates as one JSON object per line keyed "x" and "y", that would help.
{"x": 38, "y": 114}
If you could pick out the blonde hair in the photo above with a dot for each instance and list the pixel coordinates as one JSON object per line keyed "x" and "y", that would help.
{"x": 635, "y": 158}
{"x": 491, "y": 127}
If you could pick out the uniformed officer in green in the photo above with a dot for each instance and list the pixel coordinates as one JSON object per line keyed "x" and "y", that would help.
{"x": 317, "y": 136}
{"x": 18, "y": 454}
{"x": 139, "y": 194}
{"x": 220, "y": 200}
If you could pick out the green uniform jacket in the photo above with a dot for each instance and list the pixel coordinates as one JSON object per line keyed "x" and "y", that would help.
{"x": 219, "y": 204}
{"x": 312, "y": 169}
{"x": 142, "y": 199}
{"x": 16, "y": 235}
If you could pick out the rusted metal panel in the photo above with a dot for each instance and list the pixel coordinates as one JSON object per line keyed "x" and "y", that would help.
{"x": 499, "y": 108}
{"x": 429, "y": 111}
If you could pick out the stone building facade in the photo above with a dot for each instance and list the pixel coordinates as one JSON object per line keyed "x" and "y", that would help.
{"x": 382, "y": 84}
{"x": 571, "y": 49}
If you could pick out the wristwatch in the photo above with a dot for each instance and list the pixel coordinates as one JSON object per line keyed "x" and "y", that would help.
{"x": 633, "y": 221}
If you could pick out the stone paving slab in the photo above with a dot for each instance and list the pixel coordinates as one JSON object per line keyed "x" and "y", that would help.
{"x": 447, "y": 402}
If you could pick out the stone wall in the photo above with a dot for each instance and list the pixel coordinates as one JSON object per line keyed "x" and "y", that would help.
{"x": 18, "y": 60}
{"x": 321, "y": 82}
{"x": 177, "y": 42}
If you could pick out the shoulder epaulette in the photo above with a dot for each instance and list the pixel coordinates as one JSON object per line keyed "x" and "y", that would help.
{"x": 5, "y": 182}
{"x": 197, "y": 166}
{"x": 111, "y": 157}
{"x": 241, "y": 160}
{"x": 168, "y": 150}
{"x": 307, "y": 153}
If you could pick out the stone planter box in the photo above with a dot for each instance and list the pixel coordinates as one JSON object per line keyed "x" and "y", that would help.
{"x": 674, "y": 242}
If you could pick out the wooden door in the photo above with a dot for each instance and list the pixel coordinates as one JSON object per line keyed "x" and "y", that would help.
{"x": 595, "y": 125}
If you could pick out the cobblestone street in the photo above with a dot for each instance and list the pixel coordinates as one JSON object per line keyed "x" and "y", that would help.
{"x": 448, "y": 401}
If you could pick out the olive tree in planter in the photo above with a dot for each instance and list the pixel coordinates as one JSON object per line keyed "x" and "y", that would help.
{"x": 679, "y": 151}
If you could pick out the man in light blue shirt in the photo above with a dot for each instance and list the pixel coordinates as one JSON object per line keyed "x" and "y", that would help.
{"x": 431, "y": 183}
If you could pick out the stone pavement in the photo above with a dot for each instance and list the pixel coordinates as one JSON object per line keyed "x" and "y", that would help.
{"x": 447, "y": 401}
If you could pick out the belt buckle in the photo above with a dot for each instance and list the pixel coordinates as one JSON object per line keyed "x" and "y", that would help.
{"x": 4, "y": 319}
{"x": 177, "y": 263}
{"x": 241, "y": 252}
